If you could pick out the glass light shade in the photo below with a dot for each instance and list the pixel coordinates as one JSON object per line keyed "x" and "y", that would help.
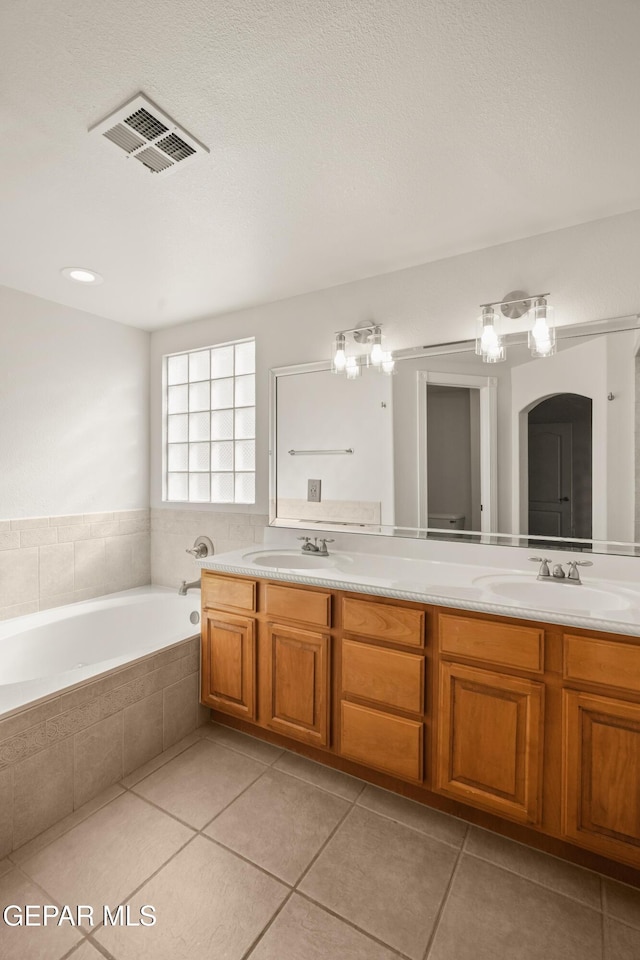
{"x": 352, "y": 368}
{"x": 339, "y": 362}
{"x": 489, "y": 343}
{"x": 377, "y": 352}
{"x": 388, "y": 364}
{"x": 542, "y": 335}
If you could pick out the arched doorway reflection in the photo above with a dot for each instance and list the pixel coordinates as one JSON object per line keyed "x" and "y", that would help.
{"x": 560, "y": 467}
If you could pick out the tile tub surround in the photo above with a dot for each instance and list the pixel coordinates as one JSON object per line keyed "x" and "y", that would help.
{"x": 375, "y": 877}
{"x": 50, "y": 561}
{"x": 173, "y": 530}
{"x": 61, "y": 753}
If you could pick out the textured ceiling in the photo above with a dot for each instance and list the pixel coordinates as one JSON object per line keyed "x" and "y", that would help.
{"x": 347, "y": 139}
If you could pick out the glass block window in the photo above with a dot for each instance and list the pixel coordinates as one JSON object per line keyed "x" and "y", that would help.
{"x": 210, "y": 424}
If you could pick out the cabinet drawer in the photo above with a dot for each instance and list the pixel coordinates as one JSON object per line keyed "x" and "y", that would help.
{"x": 391, "y": 744}
{"x": 230, "y": 593}
{"x": 609, "y": 662}
{"x": 383, "y": 621}
{"x": 292, "y": 603}
{"x": 501, "y": 644}
{"x": 387, "y": 677}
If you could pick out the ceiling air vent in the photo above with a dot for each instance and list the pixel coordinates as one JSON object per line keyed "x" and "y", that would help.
{"x": 142, "y": 130}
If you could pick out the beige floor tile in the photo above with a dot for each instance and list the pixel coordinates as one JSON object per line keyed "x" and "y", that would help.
{"x": 491, "y": 913}
{"x": 251, "y": 746}
{"x": 303, "y": 931}
{"x": 5, "y": 866}
{"x": 31, "y": 943}
{"x": 152, "y": 765}
{"x": 385, "y": 878}
{"x": 551, "y": 872}
{"x": 432, "y": 823}
{"x": 326, "y": 777}
{"x": 86, "y": 951}
{"x": 279, "y": 823}
{"x": 623, "y": 942}
{"x": 63, "y": 826}
{"x": 200, "y": 782}
{"x": 104, "y": 859}
{"x": 209, "y": 904}
{"x": 622, "y": 902}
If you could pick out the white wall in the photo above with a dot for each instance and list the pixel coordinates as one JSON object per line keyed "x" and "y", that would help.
{"x": 74, "y": 409}
{"x": 591, "y": 271}
{"x": 323, "y": 411}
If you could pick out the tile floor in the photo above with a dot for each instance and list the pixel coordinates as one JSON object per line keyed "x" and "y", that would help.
{"x": 248, "y": 851}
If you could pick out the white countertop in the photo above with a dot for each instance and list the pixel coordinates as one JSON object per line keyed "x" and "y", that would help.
{"x": 598, "y": 604}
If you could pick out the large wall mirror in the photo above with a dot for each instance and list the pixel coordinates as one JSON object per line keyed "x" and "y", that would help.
{"x": 544, "y": 450}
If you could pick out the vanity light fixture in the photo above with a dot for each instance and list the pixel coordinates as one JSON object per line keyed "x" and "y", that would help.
{"x": 361, "y": 346}
{"x": 542, "y": 333}
{"x": 81, "y": 275}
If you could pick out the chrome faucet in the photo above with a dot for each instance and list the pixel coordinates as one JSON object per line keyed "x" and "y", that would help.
{"x": 308, "y": 547}
{"x": 557, "y": 574}
{"x": 184, "y": 586}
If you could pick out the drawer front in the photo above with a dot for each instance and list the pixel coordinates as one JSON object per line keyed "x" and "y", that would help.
{"x": 291, "y": 603}
{"x": 387, "y": 677}
{"x": 390, "y": 744}
{"x": 500, "y": 644}
{"x": 609, "y": 662}
{"x": 228, "y": 593}
{"x": 384, "y": 621}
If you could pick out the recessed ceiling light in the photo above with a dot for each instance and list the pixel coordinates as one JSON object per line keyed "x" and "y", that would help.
{"x": 81, "y": 275}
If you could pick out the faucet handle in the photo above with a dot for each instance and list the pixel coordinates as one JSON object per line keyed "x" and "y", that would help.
{"x": 544, "y": 565}
{"x": 306, "y": 539}
{"x": 326, "y": 540}
{"x": 573, "y": 568}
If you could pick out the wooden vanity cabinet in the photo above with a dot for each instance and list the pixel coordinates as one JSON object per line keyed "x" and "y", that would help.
{"x": 490, "y": 722}
{"x": 382, "y": 687}
{"x": 528, "y": 729}
{"x": 601, "y": 745}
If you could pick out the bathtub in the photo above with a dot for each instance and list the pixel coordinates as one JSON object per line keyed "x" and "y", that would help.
{"x": 89, "y": 694}
{"x": 45, "y": 653}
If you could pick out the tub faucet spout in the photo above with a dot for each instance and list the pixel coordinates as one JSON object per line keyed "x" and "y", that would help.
{"x": 184, "y": 586}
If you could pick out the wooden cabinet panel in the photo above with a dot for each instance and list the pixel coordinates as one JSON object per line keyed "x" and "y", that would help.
{"x": 228, "y": 664}
{"x": 222, "y": 593}
{"x": 500, "y": 644}
{"x": 610, "y": 662}
{"x": 601, "y": 762}
{"x": 299, "y": 684}
{"x": 383, "y": 621}
{"x": 490, "y": 740}
{"x": 388, "y": 677}
{"x": 292, "y": 603}
{"x": 391, "y": 744}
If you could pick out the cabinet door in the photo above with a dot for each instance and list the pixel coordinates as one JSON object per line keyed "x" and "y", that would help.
{"x": 228, "y": 664}
{"x": 299, "y": 684}
{"x": 601, "y": 761}
{"x": 489, "y": 751}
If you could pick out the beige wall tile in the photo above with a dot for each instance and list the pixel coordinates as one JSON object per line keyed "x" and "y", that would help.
{"x": 66, "y": 520}
{"x": 90, "y": 565}
{"x": 98, "y": 758}
{"x": 9, "y": 540}
{"x": 6, "y": 811}
{"x": 36, "y": 809}
{"x": 39, "y": 537}
{"x": 56, "y": 569}
{"x": 97, "y": 517}
{"x": 104, "y": 528}
{"x": 19, "y": 610}
{"x": 118, "y": 562}
{"x": 18, "y": 576}
{"x": 180, "y": 709}
{"x": 30, "y": 523}
{"x": 78, "y": 531}
{"x": 142, "y": 732}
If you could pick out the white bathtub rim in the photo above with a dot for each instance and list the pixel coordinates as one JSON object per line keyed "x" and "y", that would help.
{"x": 40, "y": 690}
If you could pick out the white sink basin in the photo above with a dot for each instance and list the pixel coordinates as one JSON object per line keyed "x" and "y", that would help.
{"x": 516, "y": 588}
{"x": 289, "y": 560}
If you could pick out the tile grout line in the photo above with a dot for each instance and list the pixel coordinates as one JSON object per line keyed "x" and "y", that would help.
{"x": 537, "y": 883}
{"x": 447, "y": 893}
{"x": 350, "y": 923}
